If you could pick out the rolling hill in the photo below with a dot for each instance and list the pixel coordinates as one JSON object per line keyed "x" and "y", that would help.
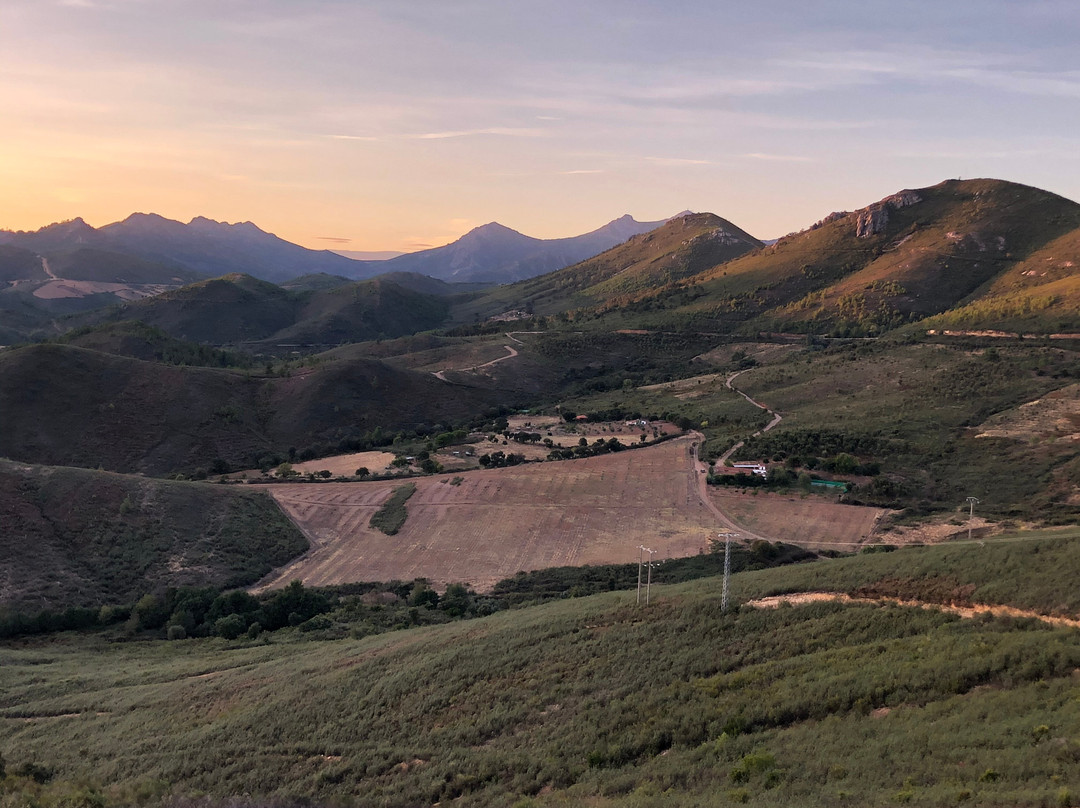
{"x": 75, "y": 537}
{"x": 912, "y": 255}
{"x": 64, "y": 405}
{"x": 676, "y": 250}
{"x": 238, "y": 309}
{"x": 594, "y": 701}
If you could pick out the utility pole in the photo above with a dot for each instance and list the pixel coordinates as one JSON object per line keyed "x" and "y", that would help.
{"x": 648, "y": 583}
{"x": 727, "y": 536}
{"x": 642, "y": 549}
{"x": 972, "y": 502}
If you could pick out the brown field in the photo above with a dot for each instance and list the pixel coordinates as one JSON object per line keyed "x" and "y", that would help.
{"x": 568, "y": 434}
{"x": 339, "y": 465}
{"x": 812, "y": 521}
{"x": 495, "y": 522}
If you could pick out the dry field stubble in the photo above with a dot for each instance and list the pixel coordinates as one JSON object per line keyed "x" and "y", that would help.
{"x": 812, "y": 522}
{"x": 496, "y": 522}
{"x": 339, "y": 465}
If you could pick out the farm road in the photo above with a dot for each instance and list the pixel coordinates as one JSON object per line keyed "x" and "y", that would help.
{"x": 441, "y": 374}
{"x": 775, "y": 420}
{"x": 700, "y": 470}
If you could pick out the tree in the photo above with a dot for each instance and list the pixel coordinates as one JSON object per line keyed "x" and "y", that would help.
{"x": 230, "y": 627}
{"x": 423, "y": 595}
{"x": 363, "y": 472}
{"x": 456, "y": 600}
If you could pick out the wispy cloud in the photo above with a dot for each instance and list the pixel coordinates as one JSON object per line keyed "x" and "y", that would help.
{"x": 335, "y": 239}
{"x": 502, "y": 131}
{"x": 779, "y": 158}
{"x": 367, "y": 138}
{"x": 582, "y": 171}
{"x": 679, "y": 161}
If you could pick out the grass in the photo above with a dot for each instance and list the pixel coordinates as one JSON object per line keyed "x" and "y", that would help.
{"x": 592, "y": 700}
{"x": 390, "y": 518}
{"x": 102, "y": 538}
{"x": 923, "y": 400}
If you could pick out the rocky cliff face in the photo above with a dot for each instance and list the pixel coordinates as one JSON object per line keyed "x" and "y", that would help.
{"x": 872, "y": 220}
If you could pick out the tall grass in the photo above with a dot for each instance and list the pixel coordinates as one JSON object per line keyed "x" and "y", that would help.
{"x": 591, "y": 700}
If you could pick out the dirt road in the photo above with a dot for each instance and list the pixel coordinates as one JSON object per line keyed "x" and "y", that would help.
{"x": 441, "y": 374}
{"x": 775, "y": 417}
{"x": 700, "y": 470}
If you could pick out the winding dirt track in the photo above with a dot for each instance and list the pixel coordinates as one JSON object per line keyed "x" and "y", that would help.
{"x": 441, "y": 374}
{"x": 775, "y": 417}
{"x": 974, "y": 610}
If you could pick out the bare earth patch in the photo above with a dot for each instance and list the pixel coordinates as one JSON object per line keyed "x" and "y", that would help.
{"x": 935, "y": 532}
{"x": 1055, "y": 416}
{"x": 60, "y": 288}
{"x": 811, "y": 521}
{"x": 799, "y": 598}
{"x": 496, "y": 522}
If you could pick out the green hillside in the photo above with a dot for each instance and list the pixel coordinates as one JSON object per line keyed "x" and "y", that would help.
{"x": 367, "y": 310}
{"x": 593, "y": 701}
{"x": 74, "y": 537}
{"x": 220, "y": 311}
{"x": 140, "y": 341}
{"x": 912, "y": 255}
{"x": 71, "y": 406}
{"x": 677, "y": 250}
{"x": 239, "y": 309}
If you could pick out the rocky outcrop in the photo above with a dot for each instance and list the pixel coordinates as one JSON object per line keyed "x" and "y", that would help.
{"x": 873, "y": 220}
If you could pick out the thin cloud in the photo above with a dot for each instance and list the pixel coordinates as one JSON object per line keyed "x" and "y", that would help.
{"x": 778, "y": 158}
{"x": 582, "y": 171}
{"x": 352, "y": 137}
{"x": 497, "y": 130}
{"x": 335, "y": 239}
{"x": 679, "y": 161}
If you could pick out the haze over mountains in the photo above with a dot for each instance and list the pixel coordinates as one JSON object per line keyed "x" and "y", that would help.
{"x": 490, "y": 254}
{"x": 493, "y": 253}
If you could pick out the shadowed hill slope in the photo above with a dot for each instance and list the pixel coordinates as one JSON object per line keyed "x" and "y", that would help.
{"x": 241, "y": 309}
{"x": 70, "y": 406}
{"x": 74, "y": 537}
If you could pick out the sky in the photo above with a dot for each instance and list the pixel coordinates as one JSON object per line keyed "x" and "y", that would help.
{"x": 400, "y": 125}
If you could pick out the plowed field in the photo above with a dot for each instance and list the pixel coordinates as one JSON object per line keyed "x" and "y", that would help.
{"x": 812, "y": 521}
{"x": 495, "y": 522}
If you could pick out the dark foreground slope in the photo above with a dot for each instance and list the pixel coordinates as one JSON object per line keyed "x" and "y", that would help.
{"x": 595, "y": 701}
{"x": 70, "y": 406}
{"x": 74, "y": 537}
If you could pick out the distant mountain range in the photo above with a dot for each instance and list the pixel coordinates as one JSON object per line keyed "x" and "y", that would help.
{"x": 493, "y": 253}
{"x": 202, "y": 246}
{"x": 168, "y": 251}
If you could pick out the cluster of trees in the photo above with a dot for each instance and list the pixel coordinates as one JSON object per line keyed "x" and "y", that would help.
{"x": 498, "y": 460}
{"x": 805, "y": 443}
{"x": 524, "y": 437}
{"x": 830, "y": 451}
{"x": 586, "y": 449}
{"x": 182, "y": 612}
{"x": 202, "y": 612}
